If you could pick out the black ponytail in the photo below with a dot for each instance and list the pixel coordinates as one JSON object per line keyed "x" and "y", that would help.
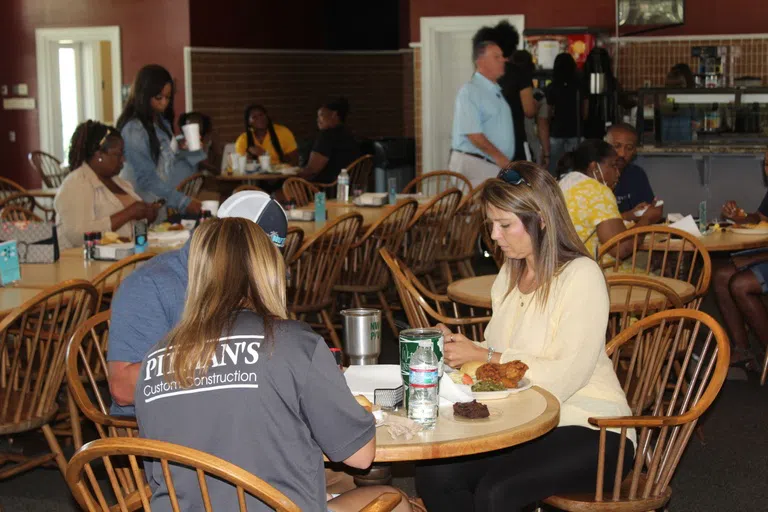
{"x": 270, "y": 129}
{"x": 89, "y": 137}
{"x": 591, "y": 150}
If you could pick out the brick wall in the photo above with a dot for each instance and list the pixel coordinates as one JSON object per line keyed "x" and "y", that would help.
{"x": 292, "y": 85}
{"x": 651, "y": 60}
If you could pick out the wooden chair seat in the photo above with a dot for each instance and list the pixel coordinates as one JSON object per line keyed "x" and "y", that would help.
{"x": 586, "y": 502}
{"x": 29, "y": 420}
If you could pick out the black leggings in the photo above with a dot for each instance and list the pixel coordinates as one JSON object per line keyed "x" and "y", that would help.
{"x": 562, "y": 461}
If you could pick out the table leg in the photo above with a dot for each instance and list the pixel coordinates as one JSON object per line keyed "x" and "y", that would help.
{"x": 379, "y": 474}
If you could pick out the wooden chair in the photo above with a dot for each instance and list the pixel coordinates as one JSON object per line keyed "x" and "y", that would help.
{"x": 170, "y": 457}
{"x": 460, "y": 243}
{"x": 191, "y": 185}
{"x": 109, "y": 279}
{"x": 87, "y": 374}
{"x": 245, "y": 187}
{"x": 665, "y": 427}
{"x": 27, "y": 201}
{"x": 427, "y": 231}
{"x": 301, "y": 191}
{"x": 293, "y": 240}
{"x": 360, "y": 172}
{"x": 435, "y": 182}
{"x": 365, "y": 272}
{"x": 315, "y": 268}
{"x": 48, "y": 167}
{"x": 18, "y": 214}
{"x": 33, "y": 342}
{"x": 423, "y": 308}
{"x": 9, "y": 188}
{"x": 663, "y": 251}
{"x": 643, "y": 296}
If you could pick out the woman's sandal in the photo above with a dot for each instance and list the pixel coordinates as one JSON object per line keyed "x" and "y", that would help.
{"x": 744, "y": 359}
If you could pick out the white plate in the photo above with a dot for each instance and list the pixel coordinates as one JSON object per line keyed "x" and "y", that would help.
{"x": 747, "y": 231}
{"x": 525, "y": 383}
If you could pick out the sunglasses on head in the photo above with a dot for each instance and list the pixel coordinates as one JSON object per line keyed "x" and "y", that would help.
{"x": 512, "y": 177}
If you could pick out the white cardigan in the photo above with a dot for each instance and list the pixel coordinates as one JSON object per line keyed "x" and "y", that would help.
{"x": 563, "y": 342}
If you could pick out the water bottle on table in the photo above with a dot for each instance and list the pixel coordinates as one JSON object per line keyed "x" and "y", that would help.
{"x": 423, "y": 386}
{"x": 342, "y": 187}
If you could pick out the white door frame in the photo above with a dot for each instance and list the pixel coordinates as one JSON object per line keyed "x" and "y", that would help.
{"x": 431, "y": 27}
{"x": 45, "y": 40}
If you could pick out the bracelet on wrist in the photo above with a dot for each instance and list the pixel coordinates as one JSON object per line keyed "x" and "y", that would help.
{"x": 490, "y": 354}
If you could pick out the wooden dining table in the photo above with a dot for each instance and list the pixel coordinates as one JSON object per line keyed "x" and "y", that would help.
{"x": 724, "y": 240}
{"x": 476, "y": 292}
{"x": 334, "y": 210}
{"x": 514, "y": 420}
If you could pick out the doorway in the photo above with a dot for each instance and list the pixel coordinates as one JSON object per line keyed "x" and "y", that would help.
{"x": 446, "y": 65}
{"x": 77, "y": 72}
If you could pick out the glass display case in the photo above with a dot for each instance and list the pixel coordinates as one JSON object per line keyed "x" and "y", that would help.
{"x": 711, "y": 117}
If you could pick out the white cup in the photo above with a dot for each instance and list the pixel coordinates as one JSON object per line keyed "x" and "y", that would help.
{"x": 265, "y": 162}
{"x": 192, "y": 135}
{"x": 242, "y": 161}
{"x": 211, "y": 206}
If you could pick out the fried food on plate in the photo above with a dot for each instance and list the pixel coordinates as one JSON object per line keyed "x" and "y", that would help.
{"x": 508, "y": 374}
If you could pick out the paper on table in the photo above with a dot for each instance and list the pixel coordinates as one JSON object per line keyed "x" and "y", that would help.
{"x": 674, "y": 217}
{"x": 688, "y": 225}
{"x": 451, "y": 393}
{"x": 363, "y": 380}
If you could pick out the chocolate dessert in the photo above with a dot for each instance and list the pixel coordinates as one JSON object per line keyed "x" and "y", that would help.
{"x": 471, "y": 410}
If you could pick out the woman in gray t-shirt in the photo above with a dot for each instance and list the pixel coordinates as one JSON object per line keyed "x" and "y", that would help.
{"x": 237, "y": 379}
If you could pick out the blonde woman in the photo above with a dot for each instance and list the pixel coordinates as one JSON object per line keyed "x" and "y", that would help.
{"x": 550, "y": 311}
{"x": 238, "y": 380}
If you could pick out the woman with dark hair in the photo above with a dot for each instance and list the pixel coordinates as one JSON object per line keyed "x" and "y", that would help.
{"x": 680, "y": 76}
{"x": 563, "y": 100}
{"x": 151, "y": 151}
{"x": 262, "y": 136}
{"x": 93, "y": 197}
{"x": 335, "y": 147}
{"x": 516, "y": 83}
{"x": 587, "y": 178}
{"x": 550, "y": 311}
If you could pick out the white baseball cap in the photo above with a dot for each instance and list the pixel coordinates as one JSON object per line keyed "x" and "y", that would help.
{"x": 258, "y": 207}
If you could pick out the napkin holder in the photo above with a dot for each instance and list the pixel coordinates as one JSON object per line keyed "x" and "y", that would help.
{"x": 301, "y": 215}
{"x": 113, "y": 252}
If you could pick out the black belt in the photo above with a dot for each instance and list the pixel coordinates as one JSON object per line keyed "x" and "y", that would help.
{"x": 475, "y": 155}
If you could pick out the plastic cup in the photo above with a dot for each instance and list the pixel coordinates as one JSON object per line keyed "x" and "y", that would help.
{"x": 211, "y": 205}
{"x": 192, "y": 135}
{"x": 265, "y": 162}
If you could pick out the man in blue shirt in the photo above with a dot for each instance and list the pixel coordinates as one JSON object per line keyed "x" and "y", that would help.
{"x": 633, "y": 191}
{"x": 483, "y": 136}
{"x": 150, "y": 301}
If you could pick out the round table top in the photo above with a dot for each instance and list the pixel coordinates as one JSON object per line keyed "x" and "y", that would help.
{"x": 520, "y": 418}
{"x": 725, "y": 240}
{"x": 334, "y": 210}
{"x": 259, "y": 176}
{"x": 476, "y": 292}
{"x": 12, "y": 297}
{"x": 729, "y": 241}
{"x": 45, "y": 275}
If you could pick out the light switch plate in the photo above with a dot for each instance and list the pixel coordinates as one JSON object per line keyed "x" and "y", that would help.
{"x": 4, "y": 90}
{"x": 19, "y": 103}
{"x": 20, "y": 89}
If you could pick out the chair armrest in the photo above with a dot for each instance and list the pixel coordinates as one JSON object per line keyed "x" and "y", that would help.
{"x": 642, "y": 421}
{"x": 384, "y": 503}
